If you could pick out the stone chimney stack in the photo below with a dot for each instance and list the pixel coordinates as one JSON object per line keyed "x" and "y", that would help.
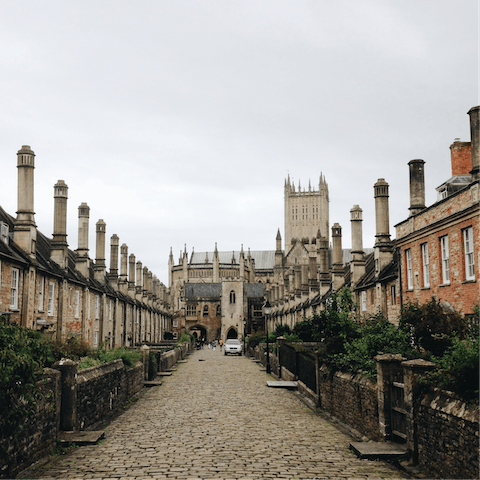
{"x": 475, "y": 141}
{"x": 83, "y": 261}
{"x": 25, "y": 230}
{"x": 59, "y": 253}
{"x": 122, "y": 280}
{"x": 100, "y": 267}
{"x": 337, "y": 257}
{"x": 417, "y": 186}
{"x": 357, "y": 263}
{"x": 138, "y": 286}
{"x": 461, "y": 157}
{"x": 113, "y": 275}
{"x": 383, "y": 248}
{"x": 131, "y": 275}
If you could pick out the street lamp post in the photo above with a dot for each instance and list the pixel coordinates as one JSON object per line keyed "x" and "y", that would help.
{"x": 267, "y": 309}
{"x": 244, "y": 335}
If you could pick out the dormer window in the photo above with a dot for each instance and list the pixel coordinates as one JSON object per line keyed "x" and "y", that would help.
{"x": 4, "y": 232}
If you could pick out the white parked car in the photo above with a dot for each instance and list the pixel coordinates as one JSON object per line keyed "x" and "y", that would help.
{"x": 232, "y": 345}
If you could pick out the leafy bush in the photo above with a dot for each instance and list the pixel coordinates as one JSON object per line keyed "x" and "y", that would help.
{"x": 458, "y": 369}
{"x": 431, "y": 327}
{"x": 376, "y": 337}
{"x": 185, "y": 338}
{"x": 292, "y": 337}
{"x": 102, "y": 355}
{"x": 304, "y": 330}
{"x": 255, "y": 339}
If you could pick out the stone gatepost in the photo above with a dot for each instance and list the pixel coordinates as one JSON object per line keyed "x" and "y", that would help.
{"x": 412, "y": 371}
{"x": 388, "y": 367}
{"x": 280, "y": 343}
{"x": 145, "y": 349}
{"x": 68, "y": 410}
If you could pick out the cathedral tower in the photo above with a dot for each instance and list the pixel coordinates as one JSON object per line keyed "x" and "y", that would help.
{"x": 306, "y": 212}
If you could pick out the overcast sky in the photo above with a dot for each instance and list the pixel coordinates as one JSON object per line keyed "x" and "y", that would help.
{"x": 179, "y": 121}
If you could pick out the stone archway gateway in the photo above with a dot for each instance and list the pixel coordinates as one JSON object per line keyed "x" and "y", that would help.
{"x": 232, "y": 333}
{"x": 199, "y": 331}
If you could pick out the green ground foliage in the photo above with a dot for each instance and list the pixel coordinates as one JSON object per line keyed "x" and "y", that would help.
{"x": 24, "y": 353}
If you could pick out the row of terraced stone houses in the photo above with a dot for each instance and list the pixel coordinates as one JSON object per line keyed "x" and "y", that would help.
{"x": 46, "y": 286}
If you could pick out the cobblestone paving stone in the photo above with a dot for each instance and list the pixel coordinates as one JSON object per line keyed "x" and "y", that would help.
{"x": 217, "y": 419}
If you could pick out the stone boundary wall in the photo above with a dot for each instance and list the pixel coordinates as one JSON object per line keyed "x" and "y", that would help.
{"x": 447, "y": 435}
{"x": 39, "y": 432}
{"x": 102, "y": 389}
{"x": 352, "y": 399}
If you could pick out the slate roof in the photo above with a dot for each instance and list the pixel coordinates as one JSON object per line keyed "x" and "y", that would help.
{"x": 212, "y": 290}
{"x": 254, "y": 290}
{"x": 264, "y": 259}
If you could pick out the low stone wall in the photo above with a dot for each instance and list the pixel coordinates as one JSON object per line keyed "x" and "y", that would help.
{"x": 39, "y": 433}
{"x": 259, "y": 354}
{"x": 102, "y": 389}
{"x": 447, "y": 436}
{"x": 352, "y": 399}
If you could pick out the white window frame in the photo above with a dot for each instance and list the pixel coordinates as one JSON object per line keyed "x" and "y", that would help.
{"x": 41, "y": 293}
{"x": 97, "y": 307}
{"x": 408, "y": 258}
{"x": 363, "y": 300}
{"x": 393, "y": 295}
{"x": 469, "y": 255}
{"x": 14, "y": 289}
{"x": 77, "y": 303}
{"x": 51, "y": 293}
{"x": 425, "y": 262}
{"x": 445, "y": 260}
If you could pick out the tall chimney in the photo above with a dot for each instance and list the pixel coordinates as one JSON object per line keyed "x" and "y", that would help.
{"x": 475, "y": 141}
{"x": 357, "y": 263}
{"x": 417, "y": 186}
{"x": 122, "y": 281}
{"x": 139, "y": 281}
{"x": 113, "y": 275}
{"x": 337, "y": 258}
{"x": 59, "y": 253}
{"x": 83, "y": 261}
{"x": 131, "y": 275}
{"x": 100, "y": 267}
{"x": 383, "y": 248}
{"x": 25, "y": 230}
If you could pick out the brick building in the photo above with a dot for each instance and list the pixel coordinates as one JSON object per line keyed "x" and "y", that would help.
{"x": 439, "y": 245}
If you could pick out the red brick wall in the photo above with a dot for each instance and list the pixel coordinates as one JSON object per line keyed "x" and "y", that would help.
{"x": 460, "y": 293}
{"x": 461, "y": 156}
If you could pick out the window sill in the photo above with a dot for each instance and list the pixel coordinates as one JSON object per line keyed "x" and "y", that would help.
{"x": 409, "y": 290}
{"x": 444, "y": 285}
{"x": 425, "y": 288}
{"x": 474, "y": 280}
{"x": 13, "y": 309}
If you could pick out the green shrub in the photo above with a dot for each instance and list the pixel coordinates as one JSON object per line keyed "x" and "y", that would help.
{"x": 304, "y": 330}
{"x": 376, "y": 337}
{"x": 458, "y": 369}
{"x": 185, "y": 338}
{"x": 255, "y": 339}
{"x": 431, "y": 328}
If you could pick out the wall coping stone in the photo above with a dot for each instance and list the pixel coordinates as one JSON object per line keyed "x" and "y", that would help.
{"x": 448, "y": 403}
{"x": 99, "y": 370}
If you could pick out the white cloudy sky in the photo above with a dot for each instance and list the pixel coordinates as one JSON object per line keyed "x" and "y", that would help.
{"x": 178, "y": 121}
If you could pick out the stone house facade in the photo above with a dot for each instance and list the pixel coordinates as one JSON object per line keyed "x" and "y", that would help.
{"x": 46, "y": 286}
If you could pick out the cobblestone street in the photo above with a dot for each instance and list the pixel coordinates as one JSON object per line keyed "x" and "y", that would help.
{"x": 216, "y": 418}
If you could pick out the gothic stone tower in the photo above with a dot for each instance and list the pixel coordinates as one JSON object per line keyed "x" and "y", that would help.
{"x": 306, "y": 212}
